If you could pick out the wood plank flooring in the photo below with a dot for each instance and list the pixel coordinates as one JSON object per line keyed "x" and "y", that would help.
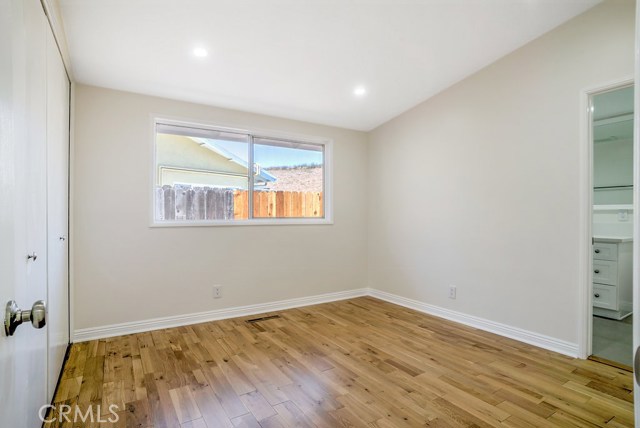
{"x": 355, "y": 363}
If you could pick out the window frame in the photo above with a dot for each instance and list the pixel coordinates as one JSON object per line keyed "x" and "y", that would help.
{"x": 252, "y": 133}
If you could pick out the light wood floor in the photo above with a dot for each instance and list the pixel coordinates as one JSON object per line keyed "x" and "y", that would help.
{"x": 355, "y": 363}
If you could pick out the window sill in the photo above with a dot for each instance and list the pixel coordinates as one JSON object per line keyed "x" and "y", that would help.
{"x": 252, "y": 222}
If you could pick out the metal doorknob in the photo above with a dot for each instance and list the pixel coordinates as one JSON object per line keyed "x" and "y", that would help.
{"x": 14, "y": 316}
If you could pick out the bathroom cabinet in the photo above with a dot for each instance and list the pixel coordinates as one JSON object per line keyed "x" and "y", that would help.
{"x": 612, "y": 277}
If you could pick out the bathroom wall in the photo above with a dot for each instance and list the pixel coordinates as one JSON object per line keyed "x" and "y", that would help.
{"x": 613, "y": 146}
{"x": 613, "y": 220}
{"x": 613, "y": 166}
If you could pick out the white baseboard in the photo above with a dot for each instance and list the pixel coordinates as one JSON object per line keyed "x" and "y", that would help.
{"x": 536, "y": 339}
{"x": 85, "y": 334}
{"x": 542, "y": 341}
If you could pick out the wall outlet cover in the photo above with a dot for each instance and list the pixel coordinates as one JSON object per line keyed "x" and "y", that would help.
{"x": 217, "y": 291}
{"x": 452, "y": 291}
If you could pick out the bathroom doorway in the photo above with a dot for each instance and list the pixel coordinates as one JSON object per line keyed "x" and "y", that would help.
{"x": 612, "y": 127}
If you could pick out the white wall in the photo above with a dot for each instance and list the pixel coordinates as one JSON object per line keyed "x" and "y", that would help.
{"x": 479, "y": 186}
{"x": 126, "y": 271}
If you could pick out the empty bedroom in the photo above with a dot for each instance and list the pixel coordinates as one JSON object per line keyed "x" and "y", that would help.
{"x": 319, "y": 213}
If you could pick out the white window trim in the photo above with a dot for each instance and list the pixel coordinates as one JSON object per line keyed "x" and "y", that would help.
{"x": 262, "y": 133}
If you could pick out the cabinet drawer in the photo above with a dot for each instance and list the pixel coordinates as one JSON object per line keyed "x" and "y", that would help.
{"x": 603, "y": 251}
{"x": 605, "y": 272}
{"x": 604, "y": 296}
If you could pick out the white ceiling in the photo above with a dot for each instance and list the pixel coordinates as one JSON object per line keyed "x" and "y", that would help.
{"x": 300, "y": 59}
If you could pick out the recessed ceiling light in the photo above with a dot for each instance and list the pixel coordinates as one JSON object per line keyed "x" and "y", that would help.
{"x": 360, "y": 91}
{"x": 200, "y": 52}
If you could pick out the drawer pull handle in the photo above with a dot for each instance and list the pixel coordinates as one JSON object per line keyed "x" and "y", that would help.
{"x": 597, "y": 271}
{"x": 596, "y": 295}
{"x": 597, "y": 251}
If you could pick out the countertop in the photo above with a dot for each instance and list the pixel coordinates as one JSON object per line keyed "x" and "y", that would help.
{"x": 611, "y": 239}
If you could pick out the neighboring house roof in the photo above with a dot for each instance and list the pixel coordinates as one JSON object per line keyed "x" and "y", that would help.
{"x": 299, "y": 179}
{"x": 211, "y": 145}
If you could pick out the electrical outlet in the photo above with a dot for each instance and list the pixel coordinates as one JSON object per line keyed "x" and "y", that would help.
{"x": 623, "y": 215}
{"x": 217, "y": 291}
{"x": 452, "y": 291}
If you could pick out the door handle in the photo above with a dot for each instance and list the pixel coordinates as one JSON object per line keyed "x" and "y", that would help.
{"x": 13, "y": 316}
{"x": 636, "y": 365}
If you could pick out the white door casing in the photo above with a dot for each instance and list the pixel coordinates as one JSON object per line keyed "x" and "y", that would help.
{"x": 636, "y": 219}
{"x": 585, "y": 254}
{"x": 57, "y": 211}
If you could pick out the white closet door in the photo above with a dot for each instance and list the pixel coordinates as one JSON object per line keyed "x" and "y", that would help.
{"x": 34, "y": 189}
{"x": 23, "y": 221}
{"x": 57, "y": 211}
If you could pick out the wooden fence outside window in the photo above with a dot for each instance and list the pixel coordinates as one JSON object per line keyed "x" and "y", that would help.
{"x": 184, "y": 202}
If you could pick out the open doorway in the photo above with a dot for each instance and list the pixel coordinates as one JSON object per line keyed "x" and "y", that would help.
{"x": 612, "y": 127}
